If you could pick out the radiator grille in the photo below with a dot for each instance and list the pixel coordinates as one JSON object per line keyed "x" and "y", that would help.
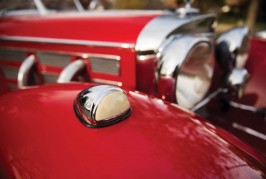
{"x": 12, "y": 55}
{"x": 105, "y": 65}
{"x": 51, "y": 59}
{"x": 49, "y": 78}
{"x": 10, "y": 73}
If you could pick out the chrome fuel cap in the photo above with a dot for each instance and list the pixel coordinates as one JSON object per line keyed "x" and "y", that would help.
{"x": 102, "y": 105}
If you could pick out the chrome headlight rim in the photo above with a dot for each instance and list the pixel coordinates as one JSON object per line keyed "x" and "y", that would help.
{"x": 208, "y": 76}
{"x": 185, "y": 45}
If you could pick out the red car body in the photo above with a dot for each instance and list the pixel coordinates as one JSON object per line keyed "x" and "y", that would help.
{"x": 41, "y": 137}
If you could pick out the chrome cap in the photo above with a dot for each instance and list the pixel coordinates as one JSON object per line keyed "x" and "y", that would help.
{"x": 101, "y": 106}
{"x": 237, "y": 80}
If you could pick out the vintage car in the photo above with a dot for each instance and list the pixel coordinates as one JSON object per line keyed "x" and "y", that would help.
{"x": 94, "y": 94}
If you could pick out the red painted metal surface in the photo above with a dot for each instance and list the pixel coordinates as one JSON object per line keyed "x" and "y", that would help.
{"x": 166, "y": 89}
{"x": 146, "y": 70}
{"x": 256, "y": 66}
{"x": 40, "y": 137}
{"x": 90, "y": 26}
{"x": 120, "y": 27}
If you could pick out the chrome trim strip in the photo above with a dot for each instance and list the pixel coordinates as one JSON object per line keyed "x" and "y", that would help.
{"x": 249, "y": 131}
{"x": 24, "y": 70}
{"x": 67, "y": 41}
{"x": 70, "y": 71}
{"x": 96, "y": 55}
{"x": 209, "y": 98}
{"x": 158, "y": 29}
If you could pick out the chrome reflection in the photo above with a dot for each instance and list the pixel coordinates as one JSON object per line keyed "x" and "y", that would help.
{"x": 188, "y": 60}
{"x": 72, "y": 70}
{"x": 232, "y": 48}
{"x": 102, "y": 105}
{"x": 41, "y": 40}
{"x": 24, "y": 71}
{"x": 250, "y": 131}
{"x": 237, "y": 80}
{"x": 162, "y": 27}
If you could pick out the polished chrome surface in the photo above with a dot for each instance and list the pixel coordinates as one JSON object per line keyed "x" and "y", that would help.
{"x": 67, "y": 41}
{"x": 188, "y": 59}
{"x": 173, "y": 54}
{"x": 53, "y": 59}
{"x": 104, "y": 64}
{"x": 94, "y": 97}
{"x": 161, "y": 27}
{"x": 235, "y": 43}
{"x": 101, "y": 105}
{"x": 237, "y": 81}
{"x": 24, "y": 70}
{"x": 209, "y": 98}
{"x": 12, "y": 55}
{"x": 71, "y": 71}
{"x": 249, "y": 131}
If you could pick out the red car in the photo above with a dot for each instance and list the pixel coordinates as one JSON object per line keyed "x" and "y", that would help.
{"x": 96, "y": 94}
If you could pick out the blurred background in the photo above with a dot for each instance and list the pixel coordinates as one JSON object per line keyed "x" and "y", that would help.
{"x": 230, "y": 12}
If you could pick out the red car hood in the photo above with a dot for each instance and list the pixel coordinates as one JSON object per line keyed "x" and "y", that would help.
{"x": 40, "y": 137}
{"x": 118, "y": 26}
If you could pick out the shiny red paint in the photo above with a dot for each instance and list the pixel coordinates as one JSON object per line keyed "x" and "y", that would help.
{"x": 146, "y": 67}
{"x": 166, "y": 88}
{"x": 120, "y": 27}
{"x": 3, "y": 86}
{"x": 256, "y": 66}
{"x": 40, "y": 137}
{"x": 91, "y": 26}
